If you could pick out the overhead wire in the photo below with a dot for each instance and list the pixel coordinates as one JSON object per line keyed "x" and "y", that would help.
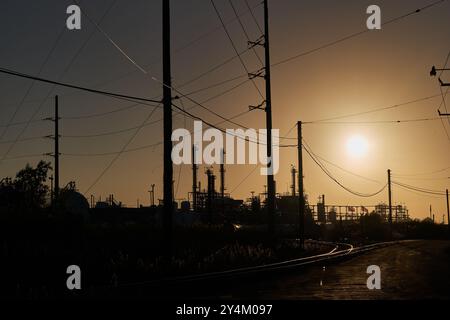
{"x": 116, "y": 157}
{"x": 38, "y": 109}
{"x": 422, "y": 173}
{"x": 419, "y": 189}
{"x": 253, "y": 16}
{"x": 443, "y": 102}
{"x": 30, "y": 87}
{"x": 375, "y": 122}
{"x": 234, "y": 47}
{"x": 394, "y": 106}
{"x": 353, "y": 35}
{"x": 325, "y": 170}
{"x": 245, "y": 32}
{"x": 419, "y": 193}
{"x": 339, "y": 167}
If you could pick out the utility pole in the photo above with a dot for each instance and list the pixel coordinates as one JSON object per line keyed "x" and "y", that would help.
{"x": 301, "y": 197}
{"x": 222, "y": 175}
{"x": 55, "y": 180}
{"x": 152, "y": 195}
{"x": 268, "y": 109}
{"x": 56, "y": 195}
{"x": 390, "y": 200}
{"x": 448, "y": 212}
{"x": 194, "y": 180}
{"x": 211, "y": 192}
{"x": 293, "y": 173}
{"x": 167, "y": 99}
{"x": 222, "y": 181}
{"x": 51, "y": 191}
{"x": 433, "y": 73}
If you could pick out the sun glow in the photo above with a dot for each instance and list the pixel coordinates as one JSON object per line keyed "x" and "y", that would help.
{"x": 357, "y": 146}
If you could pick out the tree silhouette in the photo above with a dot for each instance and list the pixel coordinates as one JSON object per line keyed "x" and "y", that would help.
{"x": 28, "y": 189}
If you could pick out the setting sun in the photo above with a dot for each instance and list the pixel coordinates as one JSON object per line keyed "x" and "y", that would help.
{"x": 357, "y": 146}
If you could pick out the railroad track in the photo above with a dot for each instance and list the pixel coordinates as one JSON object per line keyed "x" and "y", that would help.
{"x": 339, "y": 251}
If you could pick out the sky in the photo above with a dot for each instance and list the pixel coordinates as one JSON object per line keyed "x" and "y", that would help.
{"x": 377, "y": 69}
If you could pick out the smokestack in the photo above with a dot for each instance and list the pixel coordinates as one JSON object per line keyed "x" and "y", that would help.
{"x": 211, "y": 192}
{"x": 194, "y": 180}
{"x": 293, "y": 172}
{"x": 222, "y": 175}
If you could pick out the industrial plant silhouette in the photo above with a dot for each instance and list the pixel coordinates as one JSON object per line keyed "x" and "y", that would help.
{"x": 212, "y": 242}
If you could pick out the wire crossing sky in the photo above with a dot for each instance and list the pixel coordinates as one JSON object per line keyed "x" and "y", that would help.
{"x": 331, "y": 73}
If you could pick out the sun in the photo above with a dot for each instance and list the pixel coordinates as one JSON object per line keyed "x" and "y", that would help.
{"x": 357, "y": 146}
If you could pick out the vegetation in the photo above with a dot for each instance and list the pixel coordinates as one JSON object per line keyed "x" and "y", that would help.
{"x": 39, "y": 241}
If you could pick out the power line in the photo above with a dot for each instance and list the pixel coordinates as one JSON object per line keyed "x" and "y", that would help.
{"x": 135, "y": 105}
{"x": 245, "y": 32}
{"x": 192, "y": 116}
{"x": 374, "y": 110}
{"x": 110, "y": 133}
{"x": 127, "y": 150}
{"x": 245, "y": 178}
{"x": 157, "y": 121}
{"x": 419, "y": 189}
{"x": 234, "y": 46}
{"x": 423, "y": 179}
{"x": 143, "y": 147}
{"x": 214, "y": 68}
{"x": 22, "y": 140}
{"x": 444, "y": 97}
{"x": 25, "y": 156}
{"x": 120, "y": 96}
{"x": 256, "y": 167}
{"x": 74, "y": 57}
{"x": 419, "y": 193}
{"x": 19, "y": 123}
{"x": 110, "y": 39}
{"x": 376, "y": 122}
{"x": 219, "y": 27}
{"x": 47, "y": 58}
{"x": 164, "y": 84}
{"x": 254, "y": 18}
{"x": 217, "y": 84}
{"x": 178, "y": 50}
{"x": 423, "y": 173}
{"x": 102, "y": 114}
{"x": 120, "y": 153}
{"x": 335, "y": 42}
{"x": 102, "y": 154}
{"x": 339, "y": 167}
{"x": 323, "y": 168}
{"x": 106, "y": 93}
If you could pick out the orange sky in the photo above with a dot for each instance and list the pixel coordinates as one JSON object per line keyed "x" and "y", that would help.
{"x": 377, "y": 69}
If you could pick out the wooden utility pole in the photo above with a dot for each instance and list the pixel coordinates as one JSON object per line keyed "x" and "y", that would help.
{"x": 293, "y": 173}
{"x": 194, "y": 180}
{"x": 167, "y": 99}
{"x": 51, "y": 191}
{"x": 301, "y": 197}
{"x": 55, "y": 154}
{"x": 56, "y": 193}
{"x": 390, "y": 200}
{"x": 268, "y": 109}
{"x": 152, "y": 195}
{"x": 222, "y": 181}
{"x": 448, "y": 211}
